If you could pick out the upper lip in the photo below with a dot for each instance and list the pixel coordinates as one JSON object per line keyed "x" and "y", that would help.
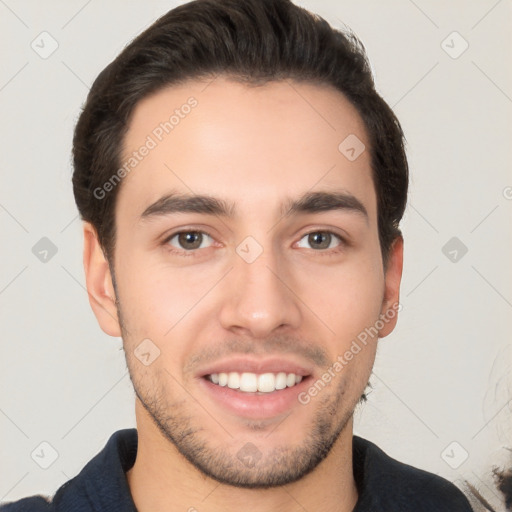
{"x": 251, "y": 365}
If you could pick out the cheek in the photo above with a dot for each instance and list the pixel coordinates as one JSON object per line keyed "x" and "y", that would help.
{"x": 347, "y": 298}
{"x": 155, "y": 298}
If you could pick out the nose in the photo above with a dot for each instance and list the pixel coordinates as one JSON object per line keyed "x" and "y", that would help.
{"x": 259, "y": 298}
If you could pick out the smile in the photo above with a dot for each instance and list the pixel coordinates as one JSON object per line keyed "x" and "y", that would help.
{"x": 248, "y": 382}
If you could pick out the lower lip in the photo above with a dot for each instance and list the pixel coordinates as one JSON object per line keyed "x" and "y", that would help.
{"x": 255, "y": 405}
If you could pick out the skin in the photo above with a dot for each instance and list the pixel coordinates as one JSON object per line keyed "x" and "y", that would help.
{"x": 255, "y": 147}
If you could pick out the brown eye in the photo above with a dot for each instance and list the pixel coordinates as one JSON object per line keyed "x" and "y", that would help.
{"x": 320, "y": 240}
{"x": 190, "y": 240}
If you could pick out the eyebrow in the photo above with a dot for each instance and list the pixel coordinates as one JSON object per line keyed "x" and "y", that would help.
{"x": 310, "y": 202}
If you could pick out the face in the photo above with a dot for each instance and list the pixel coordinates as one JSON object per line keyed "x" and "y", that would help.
{"x": 247, "y": 264}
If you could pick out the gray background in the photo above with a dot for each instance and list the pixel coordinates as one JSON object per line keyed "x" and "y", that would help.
{"x": 443, "y": 376}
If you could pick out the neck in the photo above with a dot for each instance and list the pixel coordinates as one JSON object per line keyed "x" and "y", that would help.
{"x": 163, "y": 480}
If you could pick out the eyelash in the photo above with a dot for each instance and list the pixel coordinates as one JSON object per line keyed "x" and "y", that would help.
{"x": 193, "y": 252}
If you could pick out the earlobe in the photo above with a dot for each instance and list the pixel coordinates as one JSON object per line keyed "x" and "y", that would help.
{"x": 98, "y": 279}
{"x": 393, "y": 277}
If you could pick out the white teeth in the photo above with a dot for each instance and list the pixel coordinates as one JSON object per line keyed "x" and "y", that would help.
{"x": 281, "y": 380}
{"x": 223, "y": 379}
{"x": 266, "y": 383}
{"x": 252, "y": 382}
{"x": 248, "y": 382}
{"x": 233, "y": 380}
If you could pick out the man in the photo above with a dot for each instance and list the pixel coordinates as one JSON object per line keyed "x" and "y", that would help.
{"x": 241, "y": 185}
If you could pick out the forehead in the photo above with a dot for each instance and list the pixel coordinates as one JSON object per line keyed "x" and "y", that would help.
{"x": 244, "y": 144}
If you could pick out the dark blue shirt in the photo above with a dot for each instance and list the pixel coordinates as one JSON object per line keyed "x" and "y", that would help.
{"x": 384, "y": 484}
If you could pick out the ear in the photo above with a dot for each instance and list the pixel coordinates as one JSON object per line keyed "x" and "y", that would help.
{"x": 392, "y": 278}
{"x": 99, "y": 283}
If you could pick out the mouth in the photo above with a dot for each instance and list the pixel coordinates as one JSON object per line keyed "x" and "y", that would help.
{"x": 248, "y": 382}
{"x": 256, "y": 389}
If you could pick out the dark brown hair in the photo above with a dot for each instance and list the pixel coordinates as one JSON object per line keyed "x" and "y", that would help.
{"x": 251, "y": 41}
